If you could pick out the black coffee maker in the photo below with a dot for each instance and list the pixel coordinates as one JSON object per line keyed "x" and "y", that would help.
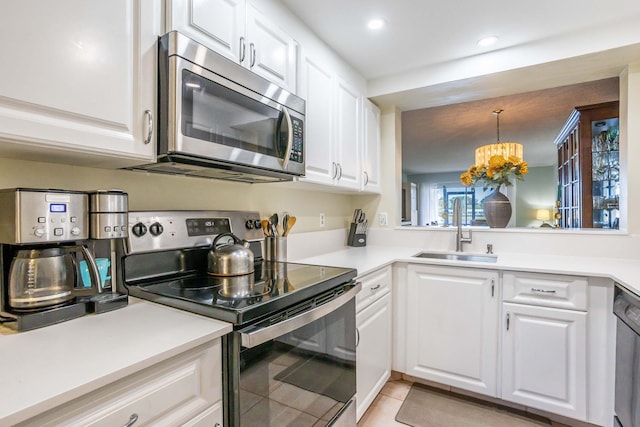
{"x": 49, "y": 271}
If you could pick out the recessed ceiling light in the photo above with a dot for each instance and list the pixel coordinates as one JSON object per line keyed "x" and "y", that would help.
{"x": 375, "y": 24}
{"x": 488, "y": 41}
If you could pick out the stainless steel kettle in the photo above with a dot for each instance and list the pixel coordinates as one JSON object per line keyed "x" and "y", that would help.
{"x": 47, "y": 277}
{"x": 233, "y": 259}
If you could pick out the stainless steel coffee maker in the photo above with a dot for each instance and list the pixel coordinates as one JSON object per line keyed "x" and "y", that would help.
{"x": 49, "y": 270}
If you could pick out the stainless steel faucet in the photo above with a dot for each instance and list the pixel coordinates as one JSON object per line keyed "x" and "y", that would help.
{"x": 457, "y": 221}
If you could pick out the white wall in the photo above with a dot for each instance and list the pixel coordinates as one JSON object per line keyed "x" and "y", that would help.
{"x": 154, "y": 191}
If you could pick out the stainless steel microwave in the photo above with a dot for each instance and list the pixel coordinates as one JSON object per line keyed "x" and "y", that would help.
{"x": 217, "y": 119}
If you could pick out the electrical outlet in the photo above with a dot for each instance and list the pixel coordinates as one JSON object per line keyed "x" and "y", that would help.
{"x": 321, "y": 219}
{"x": 383, "y": 219}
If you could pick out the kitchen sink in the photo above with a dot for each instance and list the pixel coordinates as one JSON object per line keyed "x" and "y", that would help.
{"x": 457, "y": 257}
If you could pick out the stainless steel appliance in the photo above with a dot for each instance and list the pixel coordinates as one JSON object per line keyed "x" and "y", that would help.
{"x": 41, "y": 233}
{"x": 218, "y": 119}
{"x": 294, "y": 324}
{"x": 626, "y": 306}
{"x": 108, "y": 210}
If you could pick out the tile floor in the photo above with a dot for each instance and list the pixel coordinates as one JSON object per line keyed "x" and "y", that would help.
{"x": 383, "y": 410}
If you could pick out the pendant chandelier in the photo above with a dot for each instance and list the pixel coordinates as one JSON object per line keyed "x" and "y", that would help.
{"x": 504, "y": 149}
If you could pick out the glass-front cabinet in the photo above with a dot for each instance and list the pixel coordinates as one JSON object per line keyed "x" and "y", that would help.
{"x": 589, "y": 168}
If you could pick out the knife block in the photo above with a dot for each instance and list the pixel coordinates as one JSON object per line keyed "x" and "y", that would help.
{"x": 356, "y": 239}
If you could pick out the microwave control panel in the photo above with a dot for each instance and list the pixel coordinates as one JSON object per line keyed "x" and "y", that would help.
{"x": 297, "y": 152}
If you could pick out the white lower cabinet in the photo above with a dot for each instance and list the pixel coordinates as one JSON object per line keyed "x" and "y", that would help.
{"x": 544, "y": 357}
{"x": 373, "y": 326}
{"x": 184, "y": 390}
{"x": 452, "y": 327}
{"x": 373, "y": 354}
{"x": 544, "y": 344}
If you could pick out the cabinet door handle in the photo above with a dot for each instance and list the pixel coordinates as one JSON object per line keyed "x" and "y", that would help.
{"x": 340, "y": 171}
{"x": 493, "y": 287}
{"x": 334, "y": 167}
{"x": 149, "y": 116}
{"x": 357, "y": 337}
{"x": 366, "y": 178}
{"x": 373, "y": 288}
{"x": 243, "y": 49}
{"x": 252, "y": 52}
{"x": 543, "y": 291}
{"x": 132, "y": 420}
{"x": 508, "y": 320}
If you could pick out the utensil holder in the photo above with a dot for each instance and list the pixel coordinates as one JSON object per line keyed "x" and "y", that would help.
{"x": 356, "y": 239}
{"x": 275, "y": 249}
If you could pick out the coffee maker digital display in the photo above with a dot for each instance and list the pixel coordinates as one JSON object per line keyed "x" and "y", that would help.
{"x": 49, "y": 272}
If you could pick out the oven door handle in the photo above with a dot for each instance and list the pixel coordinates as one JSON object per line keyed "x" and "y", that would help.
{"x": 255, "y": 335}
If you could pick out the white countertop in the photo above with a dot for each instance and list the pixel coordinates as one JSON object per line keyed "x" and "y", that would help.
{"x": 47, "y": 367}
{"x": 369, "y": 258}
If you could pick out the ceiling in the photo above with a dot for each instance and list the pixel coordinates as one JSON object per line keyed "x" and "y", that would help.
{"x": 426, "y": 58}
{"x": 420, "y": 33}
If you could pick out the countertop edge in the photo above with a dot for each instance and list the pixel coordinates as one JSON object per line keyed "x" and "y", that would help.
{"x": 109, "y": 376}
{"x": 625, "y": 272}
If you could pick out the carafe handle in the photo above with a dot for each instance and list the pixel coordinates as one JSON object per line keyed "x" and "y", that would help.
{"x": 96, "y": 282}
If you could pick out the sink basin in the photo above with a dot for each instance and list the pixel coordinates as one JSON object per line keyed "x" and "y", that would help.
{"x": 457, "y": 257}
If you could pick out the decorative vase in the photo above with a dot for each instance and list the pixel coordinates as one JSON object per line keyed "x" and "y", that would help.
{"x": 497, "y": 209}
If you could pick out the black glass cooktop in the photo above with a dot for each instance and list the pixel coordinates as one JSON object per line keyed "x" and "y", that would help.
{"x": 243, "y": 299}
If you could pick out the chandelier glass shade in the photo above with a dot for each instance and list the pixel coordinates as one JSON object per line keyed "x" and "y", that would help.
{"x": 504, "y": 149}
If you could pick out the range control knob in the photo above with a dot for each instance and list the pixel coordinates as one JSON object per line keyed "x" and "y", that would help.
{"x": 249, "y": 224}
{"x": 257, "y": 224}
{"x": 156, "y": 229}
{"x": 139, "y": 229}
{"x": 39, "y": 232}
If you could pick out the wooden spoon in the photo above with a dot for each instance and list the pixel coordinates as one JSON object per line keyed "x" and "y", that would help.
{"x": 265, "y": 227}
{"x": 290, "y": 223}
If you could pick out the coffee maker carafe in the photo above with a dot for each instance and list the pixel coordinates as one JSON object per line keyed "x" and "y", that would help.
{"x": 47, "y": 277}
{"x": 42, "y": 232}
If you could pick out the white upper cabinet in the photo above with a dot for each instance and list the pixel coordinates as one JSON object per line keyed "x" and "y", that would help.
{"x": 271, "y": 52}
{"x": 239, "y": 31}
{"x": 316, "y": 87}
{"x": 348, "y": 135}
{"x": 80, "y": 83}
{"x": 371, "y": 148}
{"x": 218, "y": 24}
{"x": 342, "y": 138}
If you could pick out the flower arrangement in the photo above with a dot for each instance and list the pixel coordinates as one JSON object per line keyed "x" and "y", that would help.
{"x": 496, "y": 173}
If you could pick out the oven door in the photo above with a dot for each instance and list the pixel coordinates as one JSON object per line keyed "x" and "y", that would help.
{"x": 214, "y": 118}
{"x": 300, "y": 371}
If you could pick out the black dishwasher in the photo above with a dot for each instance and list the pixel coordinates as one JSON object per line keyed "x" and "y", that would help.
{"x": 626, "y": 307}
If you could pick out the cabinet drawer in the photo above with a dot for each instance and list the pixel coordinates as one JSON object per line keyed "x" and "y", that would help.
{"x": 169, "y": 393}
{"x": 374, "y": 285}
{"x": 548, "y": 290}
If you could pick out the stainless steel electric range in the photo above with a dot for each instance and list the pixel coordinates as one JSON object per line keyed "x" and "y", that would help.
{"x": 291, "y": 356}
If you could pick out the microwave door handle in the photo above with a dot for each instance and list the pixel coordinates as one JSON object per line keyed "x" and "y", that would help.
{"x": 255, "y": 335}
{"x": 287, "y": 151}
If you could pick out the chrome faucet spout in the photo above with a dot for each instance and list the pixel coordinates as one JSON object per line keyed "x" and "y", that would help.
{"x": 457, "y": 221}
